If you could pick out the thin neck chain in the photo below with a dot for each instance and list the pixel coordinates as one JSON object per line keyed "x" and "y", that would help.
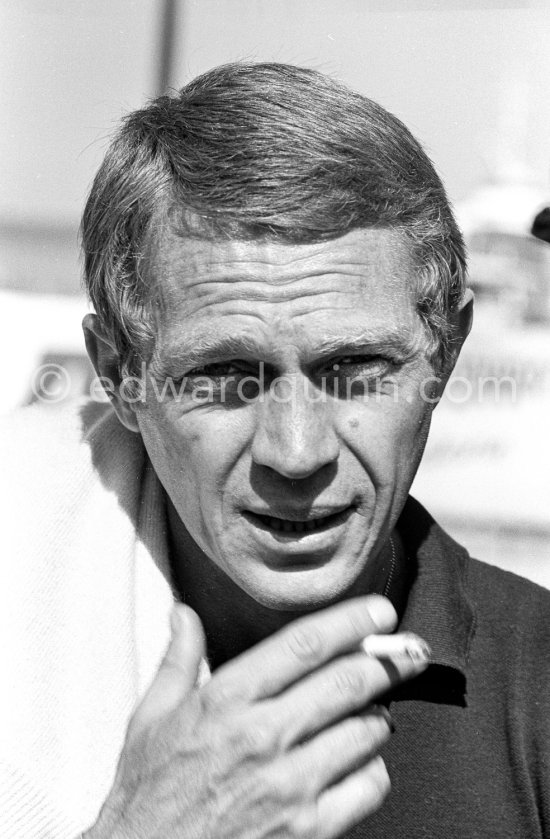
{"x": 392, "y": 569}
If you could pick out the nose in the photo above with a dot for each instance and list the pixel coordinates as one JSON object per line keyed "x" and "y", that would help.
{"x": 294, "y": 434}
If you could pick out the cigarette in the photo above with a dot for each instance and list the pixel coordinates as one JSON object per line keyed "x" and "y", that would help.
{"x": 402, "y": 645}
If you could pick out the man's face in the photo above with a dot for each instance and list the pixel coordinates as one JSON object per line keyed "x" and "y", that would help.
{"x": 291, "y": 487}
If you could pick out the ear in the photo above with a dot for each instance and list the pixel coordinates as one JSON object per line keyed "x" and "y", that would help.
{"x": 106, "y": 362}
{"x": 464, "y": 317}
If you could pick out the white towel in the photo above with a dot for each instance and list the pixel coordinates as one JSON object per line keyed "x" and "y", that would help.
{"x": 84, "y": 606}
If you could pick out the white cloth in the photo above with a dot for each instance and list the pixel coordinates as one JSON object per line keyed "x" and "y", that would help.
{"x": 84, "y": 608}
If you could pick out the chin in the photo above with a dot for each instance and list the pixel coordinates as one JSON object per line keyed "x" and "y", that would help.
{"x": 297, "y": 591}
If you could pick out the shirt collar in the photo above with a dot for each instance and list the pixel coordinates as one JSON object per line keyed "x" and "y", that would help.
{"x": 438, "y": 607}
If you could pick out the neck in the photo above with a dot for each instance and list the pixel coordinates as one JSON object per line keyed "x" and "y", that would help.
{"x": 233, "y": 621}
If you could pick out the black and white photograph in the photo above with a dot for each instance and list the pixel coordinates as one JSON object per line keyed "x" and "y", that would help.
{"x": 275, "y": 435}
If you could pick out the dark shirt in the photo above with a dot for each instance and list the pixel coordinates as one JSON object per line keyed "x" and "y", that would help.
{"x": 470, "y": 756}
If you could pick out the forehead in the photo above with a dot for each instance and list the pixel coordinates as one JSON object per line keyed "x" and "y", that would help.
{"x": 363, "y": 279}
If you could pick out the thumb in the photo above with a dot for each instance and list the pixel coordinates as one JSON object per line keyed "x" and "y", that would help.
{"x": 178, "y": 670}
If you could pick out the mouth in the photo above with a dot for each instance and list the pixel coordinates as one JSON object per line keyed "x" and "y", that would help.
{"x": 298, "y": 528}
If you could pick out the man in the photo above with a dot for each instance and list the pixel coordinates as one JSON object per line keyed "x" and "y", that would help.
{"x": 280, "y": 298}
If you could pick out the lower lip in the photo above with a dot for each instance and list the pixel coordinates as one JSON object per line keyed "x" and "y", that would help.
{"x": 306, "y": 540}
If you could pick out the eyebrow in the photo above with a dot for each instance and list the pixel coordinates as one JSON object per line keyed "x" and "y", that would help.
{"x": 207, "y": 349}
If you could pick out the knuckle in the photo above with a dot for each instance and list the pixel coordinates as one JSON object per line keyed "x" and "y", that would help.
{"x": 301, "y": 779}
{"x": 305, "y": 643}
{"x": 248, "y": 796}
{"x": 358, "y": 626}
{"x": 257, "y": 793}
{"x": 289, "y": 788}
{"x": 254, "y": 739}
{"x": 272, "y": 790}
{"x": 350, "y": 683}
{"x": 273, "y": 796}
{"x": 368, "y": 734}
{"x": 219, "y": 695}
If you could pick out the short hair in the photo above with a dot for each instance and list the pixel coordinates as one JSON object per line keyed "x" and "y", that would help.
{"x": 263, "y": 151}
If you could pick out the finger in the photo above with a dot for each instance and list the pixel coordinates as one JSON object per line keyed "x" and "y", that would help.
{"x": 343, "y": 687}
{"x": 352, "y": 800}
{"x": 301, "y": 647}
{"x": 340, "y": 750}
{"x": 178, "y": 670}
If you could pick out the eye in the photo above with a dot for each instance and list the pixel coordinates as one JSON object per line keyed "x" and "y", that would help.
{"x": 357, "y": 376}
{"x": 374, "y": 362}
{"x": 218, "y": 370}
{"x": 228, "y": 380}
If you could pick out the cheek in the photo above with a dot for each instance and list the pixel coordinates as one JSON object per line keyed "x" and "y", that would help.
{"x": 169, "y": 453}
{"x": 196, "y": 451}
{"x": 412, "y": 423}
{"x": 387, "y": 440}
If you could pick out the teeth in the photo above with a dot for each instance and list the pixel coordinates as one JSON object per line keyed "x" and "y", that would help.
{"x": 287, "y": 526}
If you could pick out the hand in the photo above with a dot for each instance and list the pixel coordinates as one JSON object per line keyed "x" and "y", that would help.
{"x": 282, "y": 742}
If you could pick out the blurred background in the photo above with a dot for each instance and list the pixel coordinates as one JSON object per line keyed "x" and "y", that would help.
{"x": 471, "y": 79}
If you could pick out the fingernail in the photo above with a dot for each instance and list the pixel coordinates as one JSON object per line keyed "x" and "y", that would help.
{"x": 384, "y": 712}
{"x": 417, "y": 649}
{"x": 382, "y": 613}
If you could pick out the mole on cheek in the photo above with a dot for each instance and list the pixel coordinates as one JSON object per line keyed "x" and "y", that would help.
{"x": 354, "y": 423}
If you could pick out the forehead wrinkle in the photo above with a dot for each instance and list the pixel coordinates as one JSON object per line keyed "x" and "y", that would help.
{"x": 281, "y": 254}
{"x": 214, "y": 292}
{"x": 360, "y": 256}
{"x": 192, "y": 270}
{"x": 196, "y": 253}
{"x": 257, "y": 286}
{"x": 264, "y": 291}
